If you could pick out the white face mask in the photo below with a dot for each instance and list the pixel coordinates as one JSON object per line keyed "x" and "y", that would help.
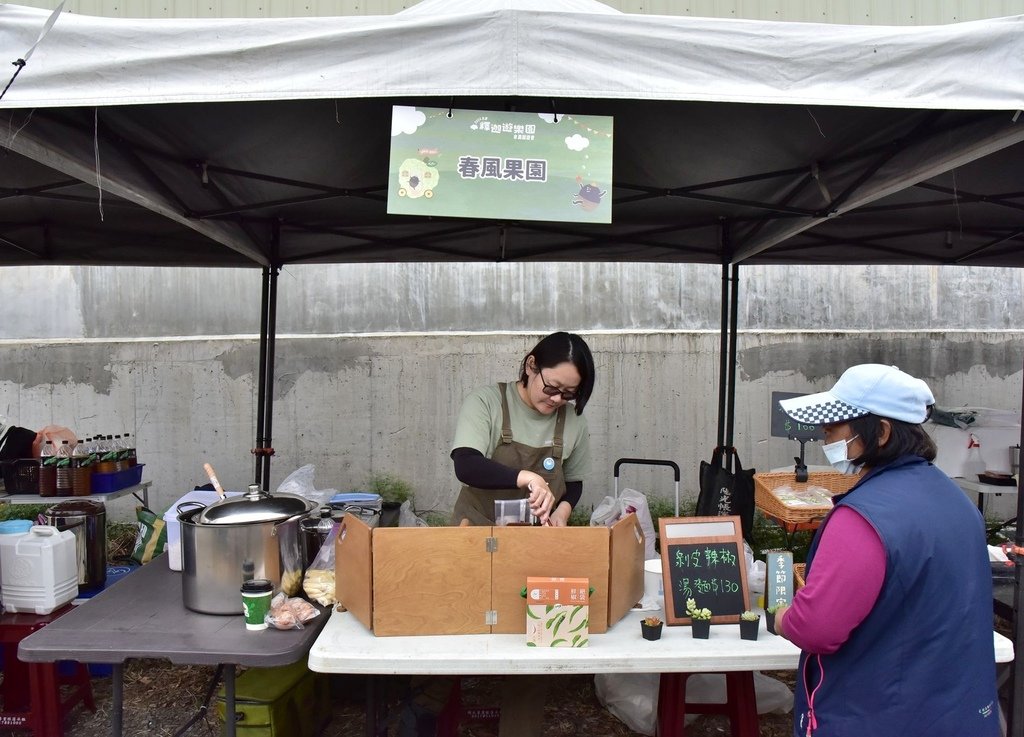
{"x": 838, "y": 456}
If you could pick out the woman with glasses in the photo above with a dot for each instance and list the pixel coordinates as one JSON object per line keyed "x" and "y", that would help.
{"x": 524, "y": 440}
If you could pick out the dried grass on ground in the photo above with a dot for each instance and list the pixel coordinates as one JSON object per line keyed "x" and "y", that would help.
{"x": 160, "y": 698}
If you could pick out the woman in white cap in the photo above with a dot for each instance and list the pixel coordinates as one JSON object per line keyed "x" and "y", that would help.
{"x": 895, "y": 621}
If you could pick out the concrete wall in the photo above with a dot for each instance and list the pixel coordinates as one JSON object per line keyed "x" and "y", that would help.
{"x": 865, "y": 12}
{"x": 374, "y": 360}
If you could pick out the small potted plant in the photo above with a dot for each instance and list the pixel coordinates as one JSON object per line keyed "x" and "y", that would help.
{"x": 769, "y": 616}
{"x": 700, "y": 624}
{"x": 650, "y": 627}
{"x": 750, "y": 622}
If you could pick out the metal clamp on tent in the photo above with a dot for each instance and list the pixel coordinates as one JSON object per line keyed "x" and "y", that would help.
{"x": 800, "y": 469}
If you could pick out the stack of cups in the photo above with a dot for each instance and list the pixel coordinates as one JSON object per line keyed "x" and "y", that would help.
{"x": 654, "y": 583}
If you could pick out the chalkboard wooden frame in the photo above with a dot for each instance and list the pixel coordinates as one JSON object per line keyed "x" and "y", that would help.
{"x": 709, "y": 532}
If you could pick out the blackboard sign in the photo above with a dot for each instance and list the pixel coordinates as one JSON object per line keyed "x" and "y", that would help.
{"x": 784, "y": 426}
{"x": 702, "y": 559}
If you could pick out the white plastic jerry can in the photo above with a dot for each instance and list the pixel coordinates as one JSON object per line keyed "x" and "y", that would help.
{"x": 38, "y": 570}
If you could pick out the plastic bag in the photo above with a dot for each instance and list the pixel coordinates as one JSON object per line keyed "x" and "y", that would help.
{"x": 408, "y": 518}
{"x": 611, "y": 510}
{"x": 633, "y": 697}
{"x": 151, "y": 536}
{"x": 709, "y": 688}
{"x": 56, "y": 433}
{"x": 289, "y": 613}
{"x": 300, "y": 483}
{"x": 756, "y": 571}
{"x": 318, "y": 583}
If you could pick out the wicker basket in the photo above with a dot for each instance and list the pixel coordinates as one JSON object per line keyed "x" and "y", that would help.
{"x": 770, "y": 504}
{"x": 799, "y": 575}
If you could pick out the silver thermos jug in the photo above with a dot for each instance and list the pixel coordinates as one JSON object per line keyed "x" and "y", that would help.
{"x": 88, "y": 520}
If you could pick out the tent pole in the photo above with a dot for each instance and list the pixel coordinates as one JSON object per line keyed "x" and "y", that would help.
{"x": 262, "y": 376}
{"x": 723, "y": 356}
{"x": 1015, "y": 721}
{"x": 268, "y": 398}
{"x": 734, "y": 300}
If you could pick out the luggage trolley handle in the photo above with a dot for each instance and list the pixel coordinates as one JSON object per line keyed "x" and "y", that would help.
{"x": 648, "y": 462}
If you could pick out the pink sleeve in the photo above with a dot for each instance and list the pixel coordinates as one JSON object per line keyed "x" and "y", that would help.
{"x": 848, "y": 572}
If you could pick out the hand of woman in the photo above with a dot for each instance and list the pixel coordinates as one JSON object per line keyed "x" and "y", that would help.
{"x": 541, "y": 499}
{"x": 780, "y": 614}
{"x": 560, "y": 516}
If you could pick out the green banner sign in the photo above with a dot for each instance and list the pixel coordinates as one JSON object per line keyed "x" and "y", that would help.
{"x": 508, "y": 166}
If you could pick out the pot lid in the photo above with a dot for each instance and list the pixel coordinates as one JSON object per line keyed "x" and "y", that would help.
{"x": 75, "y": 507}
{"x": 254, "y": 506}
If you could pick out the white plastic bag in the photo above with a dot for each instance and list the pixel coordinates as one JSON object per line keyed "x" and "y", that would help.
{"x": 408, "y": 518}
{"x": 611, "y": 510}
{"x": 756, "y": 571}
{"x": 300, "y": 483}
{"x": 709, "y": 688}
{"x": 631, "y": 697}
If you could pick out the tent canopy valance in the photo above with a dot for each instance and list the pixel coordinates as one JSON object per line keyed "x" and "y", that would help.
{"x": 265, "y": 141}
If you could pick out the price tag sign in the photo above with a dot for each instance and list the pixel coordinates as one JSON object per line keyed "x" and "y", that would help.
{"x": 702, "y": 558}
{"x": 778, "y": 584}
{"x": 784, "y": 426}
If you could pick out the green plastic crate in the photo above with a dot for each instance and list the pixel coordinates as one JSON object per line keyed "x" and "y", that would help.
{"x": 287, "y": 701}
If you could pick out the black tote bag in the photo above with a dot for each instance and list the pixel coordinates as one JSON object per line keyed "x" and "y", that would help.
{"x": 727, "y": 493}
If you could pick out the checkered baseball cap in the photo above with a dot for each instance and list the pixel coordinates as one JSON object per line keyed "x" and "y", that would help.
{"x": 867, "y": 388}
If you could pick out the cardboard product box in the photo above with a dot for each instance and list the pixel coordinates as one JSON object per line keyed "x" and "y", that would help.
{"x": 469, "y": 580}
{"x": 557, "y": 612}
{"x": 287, "y": 701}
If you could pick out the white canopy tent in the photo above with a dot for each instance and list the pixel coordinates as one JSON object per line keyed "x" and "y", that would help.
{"x": 263, "y": 142}
{"x": 267, "y": 136}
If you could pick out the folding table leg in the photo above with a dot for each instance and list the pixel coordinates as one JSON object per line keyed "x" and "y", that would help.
{"x": 743, "y": 703}
{"x": 229, "y": 700}
{"x": 117, "y": 708}
{"x": 670, "y": 704}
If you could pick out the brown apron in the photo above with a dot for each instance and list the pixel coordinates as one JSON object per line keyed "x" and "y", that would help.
{"x": 477, "y": 505}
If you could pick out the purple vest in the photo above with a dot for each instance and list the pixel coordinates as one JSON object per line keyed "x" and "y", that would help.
{"x": 922, "y": 662}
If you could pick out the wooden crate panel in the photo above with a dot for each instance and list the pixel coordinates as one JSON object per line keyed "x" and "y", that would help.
{"x": 572, "y": 552}
{"x": 431, "y": 580}
{"x": 353, "y": 569}
{"x": 626, "y": 574}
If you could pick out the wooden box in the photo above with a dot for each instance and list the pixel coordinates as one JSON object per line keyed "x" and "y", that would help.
{"x": 469, "y": 580}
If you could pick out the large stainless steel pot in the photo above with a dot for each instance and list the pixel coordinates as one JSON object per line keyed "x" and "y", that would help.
{"x": 88, "y": 520}
{"x": 239, "y": 538}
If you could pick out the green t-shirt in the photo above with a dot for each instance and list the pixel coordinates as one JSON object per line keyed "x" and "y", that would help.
{"x": 479, "y": 427}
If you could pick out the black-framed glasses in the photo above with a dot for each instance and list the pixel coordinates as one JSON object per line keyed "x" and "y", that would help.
{"x": 554, "y": 391}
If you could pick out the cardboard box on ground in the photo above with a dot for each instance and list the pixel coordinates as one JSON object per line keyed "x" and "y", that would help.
{"x": 469, "y": 580}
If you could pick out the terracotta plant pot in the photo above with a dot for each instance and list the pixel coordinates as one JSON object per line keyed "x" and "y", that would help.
{"x": 651, "y": 631}
{"x": 701, "y": 628}
{"x": 749, "y": 628}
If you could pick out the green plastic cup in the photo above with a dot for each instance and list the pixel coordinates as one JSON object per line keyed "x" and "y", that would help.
{"x": 256, "y": 596}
